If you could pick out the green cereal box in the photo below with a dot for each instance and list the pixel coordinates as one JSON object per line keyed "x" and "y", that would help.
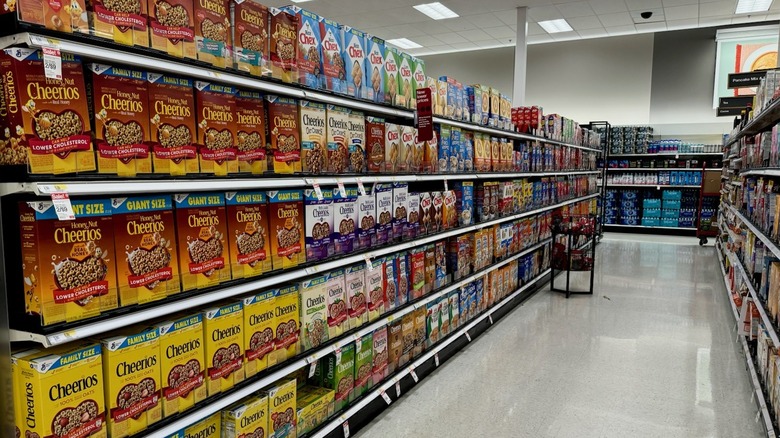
{"x": 364, "y": 356}
{"x": 433, "y": 321}
{"x": 392, "y": 61}
{"x": 314, "y": 312}
{"x": 405, "y": 80}
{"x": 338, "y": 375}
{"x": 315, "y": 405}
{"x": 418, "y": 80}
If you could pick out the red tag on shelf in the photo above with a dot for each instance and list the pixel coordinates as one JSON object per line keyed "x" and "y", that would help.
{"x": 424, "y": 114}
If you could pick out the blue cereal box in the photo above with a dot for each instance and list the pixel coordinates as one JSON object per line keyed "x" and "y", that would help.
{"x": 333, "y": 70}
{"x": 309, "y": 46}
{"x": 375, "y": 68}
{"x": 456, "y": 151}
{"x": 464, "y": 205}
{"x": 467, "y": 147}
{"x": 355, "y": 60}
{"x": 444, "y": 134}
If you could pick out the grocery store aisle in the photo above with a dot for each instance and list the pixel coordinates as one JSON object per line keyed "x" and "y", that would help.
{"x": 652, "y": 354}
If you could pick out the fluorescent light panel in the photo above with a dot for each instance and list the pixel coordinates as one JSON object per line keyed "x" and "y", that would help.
{"x": 404, "y": 43}
{"x": 748, "y": 6}
{"x": 300, "y": 1}
{"x": 555, "y": 26}
{"x": 437, "y": 11}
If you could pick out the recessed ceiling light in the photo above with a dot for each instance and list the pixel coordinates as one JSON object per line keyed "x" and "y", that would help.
{"x": 404, "y": 43}
{"x": 747, "y": 6}
{"x": 437, "y": 11}
{"x": 555, "y": 26}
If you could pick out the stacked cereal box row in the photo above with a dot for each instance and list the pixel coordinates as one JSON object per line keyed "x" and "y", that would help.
{"x": 554, "y": 126}
{"x": 478, "y": 104}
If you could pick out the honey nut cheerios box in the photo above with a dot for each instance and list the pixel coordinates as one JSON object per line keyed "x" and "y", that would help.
{"x": 209, "y": 427}
{"x": 250, "y": 37}
{"x": 315, "y": 405}
{"x": 286, "y": 219}
{"x": 201, "y": 229}
{"x": 213, "y": 34}
{"x": 172, "y": 27}
{"x": 314, "y": 312}
{"x": 131, "y": 367}
{"x": 282, "y": 408}
{"x": 172, "y": 125}
{"x": 259, "y": 327}
{"x": 284, "y": 47}
{"x": 285, "y": 136}
{"x": 247, "y": 418}
{"x": 250, "y": 248}
{"x": 68, "y": 267}
{"x": 145, "y": 248}
{"x": 63, "y": 392}
{"x": 217, "y": 133}
{"x": 251, "y": 139}
{"x": 182, "y": 351}
{"x": 124, "y": 23}
{"x": 224, "y": 339}
{"x": 287, "y": 325}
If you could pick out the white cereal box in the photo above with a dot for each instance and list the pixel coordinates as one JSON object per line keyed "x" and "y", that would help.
{"x": 375, "y": 68}
{"x": 355, "y": 60}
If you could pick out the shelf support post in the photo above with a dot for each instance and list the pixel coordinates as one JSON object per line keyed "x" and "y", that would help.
{"x": 521, "y": 56}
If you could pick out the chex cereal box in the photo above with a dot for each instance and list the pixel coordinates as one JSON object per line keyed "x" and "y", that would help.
{"x": 259, "y": 331}
{"x": 418, "y": 80}
{"x": 392, "y": 76}
{"x": 247, "y": 418}
{"x": 182, "y": 350}
{"x": 282, "y": 409}
{"x": 375, "y": 68}
{"x": 333, "y": 69}
{"x": 355, "y": 62}
{"x": 172, "y": 125}
{"x": 405, "y": 80}
{"x": 309, "y": 43}
{"x": 287, "y": 320}
{"x": 314, "y": 312}
{"x": 250, "y": 249}
{"x": 201, "y": 229}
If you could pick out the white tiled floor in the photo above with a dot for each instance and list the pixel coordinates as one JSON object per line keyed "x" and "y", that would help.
{"x": 651, "y": 354}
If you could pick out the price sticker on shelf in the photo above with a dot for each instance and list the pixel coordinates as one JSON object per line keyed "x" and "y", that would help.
{"x": 361, "y": 188}
{"x": 346, "y": 429}
{"x": 312, "y": 369}
{"x": 385, "y": 396}
{"x": 318, "y": 191}
{"x": 468, "y": 336}
{"x": 490, "y": 317}
{"x": 342, "y": 190}
{"x": 446, "y": 185}
{"x": 52, "y": 63}
{"x": 62, "y": 206}
{"x": 373, "y": 188}
{"x": 414, "y": 375}
{"x": 397, "y": 388}
{"x": 436, "y": 358}
{"x": 369, "y": 265}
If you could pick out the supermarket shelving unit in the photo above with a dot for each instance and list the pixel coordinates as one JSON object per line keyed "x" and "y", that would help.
{"x": 101, "y": 50}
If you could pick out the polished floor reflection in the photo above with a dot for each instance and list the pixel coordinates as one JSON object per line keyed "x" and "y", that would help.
{"x": 652, "y": 354}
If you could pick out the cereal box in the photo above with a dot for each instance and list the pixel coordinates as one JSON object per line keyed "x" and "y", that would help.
{"x": 420, "y": 332}
{"x": 400, "y": 209}
{"x": 315, "y": 406}
{"x": 318, "y": 218}
{"x": 433, "y": 321}
{"x": 426, "y": 206}
{"x": 392, "y": 148}
{"x": 172, "y": 125}
{"x": 444, "y": 316}
{"x": 495, "y": 104}
{"x": 333, "y": 69}
{"x": 213, "y": 35}
{"x": 250, "y": 249}
{"x": 483, "y": 92}
{"x": 314, "y": 312}
{"x": 345, "y": 220}
{"x": 337, "y": 136}
{"x": 430, "y": 162}
{"x": 247, "y": 418}
{"x": 172, "y": 27}
{"x": 405, "y": 81}
{"x": 418, "y": 154}
{"x": 402, "y": 279}
{"x": 467, "y": 150}
{"x": 418, "y": 80}
{"x": 375, "y": 144}
{"x": 182, "y": 350}
{"x": 395, "y": 345}
{"x": 430, "y": 268}
{"x": 81, "y": 282}
{"x": 287, "y": 318}
{"x": 283, "y": 43}
{"x": 463, "y": 102}
{"x": 222, "y": 327}
{"x": 18, "y": 387}
{"x": 250, "y": 37}
{"x": 390, "y": 282}
{"x": 481, "y": 154}
{"x": 442, "y": 278}
{"x": 201, "y": 229}
{"x": 285, "y": 140}
{"x": 339, "y": 376}
{"x": 407, "y": 146}
{"x": 355, "y": 284}
{"x": 356, "y": 142}
{"x": 407, "y": 339}
{"x": 375, "y": 288}
{"x": 52, "y": 122}
{"x": 441, "y": 98}
{"x": 412, "y": 228}
{"x": 314, "y": 154}
{"x": 259, "y": 329}
{"x": 309, "y": 41}
{"x": 250, "y": 132}
{"x": 379, "y": 357}
{"x": 454, "y": 312}
{"x": 456, "y": 151}
{"x": 145, "y": 246}
{"x": 392, "y": 78}
{"x": 338, "y": 315}
{"x": 131, "y": 367}
{"x": 366, "y": 234}
{"x": 444, "y": 134}
{"x": 417, "y": 276}
{"x": 437, "y": 217}
{"x": 63, "y": 392}
{"x": 282, "y": 409}
{"x": 495, "y": 154}
{"x": 448, "y": 92}
{"x": 217, "y": 151}
{"x": 384, "y": 213}
{"x": 69, "y": 19}
{"x": 375, "y": 68}
{"x": 364, "y": 356}
{"x": 464, "y": 205}
{"x": 355, "y": 62}
{"x": 285, "y": 216}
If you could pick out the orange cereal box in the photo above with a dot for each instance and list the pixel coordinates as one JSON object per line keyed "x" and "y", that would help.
{"x": 250, "y": 37}
{"x": 145, "y": 248}
{"x": 259, "y": 329}
{"x": 172, "y": 125}
{"x": 201, "y": 229}
{"x": 183, "y": 363}
{"x": 217, "y": 152}
{"x": 222, "y": 333}
{"x": 68, "y": 265}
{"x": 250, "y": 250}
{"x": 123, "y": 22}
{"x": 287, "y": 321}
{"x": 285, "y": 219}
{"x": 172, "y": 27}
{"x": 68, "y": 17}
{"x": 213, "y": 35}
{"x": 250, "y": 132}
{"x": 285, "y": 136}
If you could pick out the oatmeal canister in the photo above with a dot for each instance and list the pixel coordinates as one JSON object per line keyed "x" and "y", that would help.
{"x": 172, "y": 125}
{"x": 285, "y": 219}
{"x": 201, "y": 230}
{"x": 250, "y": 249}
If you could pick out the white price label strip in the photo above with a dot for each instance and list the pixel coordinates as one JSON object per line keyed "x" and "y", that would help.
{"x": 397, "y": 389}
{"x": 468, "y": 336}
{"x": 318, "y": 191}
{"x": 52, "y": 63}
{"x": 369, "y": 265}
{"x": 62, "y": 206}
{"x": 446, "y": 186}
{"x": 346, "y": 429}
{"x": 414, "y": 375}
{"x": 490, "y": 317}
{"x": 342, "y": 190}
{"x": 361, "y": 188}
{"x": 386, "y": 397}
{"x": 436, "y": 358}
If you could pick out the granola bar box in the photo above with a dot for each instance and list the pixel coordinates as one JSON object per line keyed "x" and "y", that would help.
{"x": 285, "y": 141}
{"x": 259, "y": 329}
{"x": 250, "y": 37}
{"x": 285, "y": 219}
{"x": 364, "y": 354}
{"x": 172, "y": 125}
{"x": 216, "y": 105}
{"x": 284, "y": 47}
{"x": 251, "y": 139}
{"x": 318, "y": 206}
{"x": 172, "y": 27}
{"x": 145, "y": 248}
{"x": 309, "y": 42}
{"x": 287, "y": 321}
{"x": 222, "y": 333}
{"x": 247, "y": 217}
{"x": 46, "y": 121}
{"x": 124, "y": 22}
{"x": 68, "y": 267}
{"x": 213, "y": 35}
{"x": 246, "y": 418}
{"x": 338, "y": 374}
{"x": 333, "y": 69}
{"x": 314, "y": 312}
{"x": 201, "y": 229}
{"x": 183, "y": 364}
{"x": 314, "y": 153}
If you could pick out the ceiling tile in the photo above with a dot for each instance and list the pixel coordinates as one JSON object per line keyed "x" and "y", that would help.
{"x": 566, "y": 36}
{"x": 681, "y": 24}
{"x": 593, "y": 33}
{"x": 672, "y": 3}
{"x": 643, "y": 5}
{"x": 753, "y": 18}
{"x": 608, "y": 6}
{"x": 681, "y": 12}
{"x": 591, "y": 22}
{"x": 409, "y": 30}
{"x": 714, "y": 21}
{"x": 616, "y": 19}
{"x": 535, "y": 29}
{"x": 772, "y": 17}
{"x": 434, "y": 49}
{"x": 508, "y": 16}
{"x": 501, "y": 32}
{"x": 575, "y": 9}
{"x": 538, "y": 39}
{"x": 489, "y": 44}
{"x": 387, "y": 33}
{"x": 426, "y": 40}
{"x": 658, "y": 16}
{"x": 464, "y": 46}
{"x": 400, "y": 15}
{"x": 484, "y": 20}
{"x": 716, "y": 8}
{"x": 450, "y": 38}
{"x": 435, "y": 26}
{"x": 650, "y": 27}
{"x": 457, "y": 24}
{"x": 475, "y": 35}
{"x": 621, "y": 30}
{"x": 543, "y": 13}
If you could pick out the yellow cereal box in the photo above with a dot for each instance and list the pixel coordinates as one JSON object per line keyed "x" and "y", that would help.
{"x": 222, "y": 331}
{"x": 259, "y": 325}
{"x": 287, "y": 323}
{"x": 63, "y": 393}
{"x": 282, "y": 408}
{"x": 246, "y": 419}
{"x": 315, "y": 405}
{"x": 131, "y": 367}
{"x": 18, "y": 387}
{"x": 182, "y": 368}
{"x": 209, "y": 427}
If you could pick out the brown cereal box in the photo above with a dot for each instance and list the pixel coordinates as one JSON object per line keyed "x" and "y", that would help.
{"x": 250, "y": 250}
{"x": 172, "y": 27}
{"x": 123, "y": 22}
{"x": 120, "y": 118}
{"x": 172, "y": 125}
{"x": 356, "y": 142}
{"x": 285, "y": 137}
{"x": 46, "y": 121}
{"x": 431, "y": 155}
{"x": 481, "y": 155}
{"x": 430, "y": 268}
{"x": 250, "y": 37}
{"x": 449, "y": 210}
{"x": 282, "y": 409}
{"x": 420, "y": 331}
{"x": 495, "y": 154}
{"x": 217, "y": 152}
{"x": 64, "y": 392}
{"x": 213, "y": 35}
{"x": 68, "y": 266}
{"x": 284, "y": 47}
{"x": 338, "y": 148}
{"x": 251, "y": 132}
{"x": 131, "y": 367}
{"x": 247, "y": 418}
{"x": 287, "y": 322}
{"x": 259, "y": 329}
{"x": 426, "y": 215}
{"x": 145, "y": 248}
{"x": 309, "y": 50}
{"x": 408, "y": 337}
{"x": 201, "y": 229}
{"x": 375, "y": 144}
{"x": 406, "y": 150}
{"x": 392, "y": 147}
{"x": 285, "y": 219}
{"x": 313, "y": 122}
{"x": 222, "y": 332}
{"x": 395, "y": 345}
{"x": 380, "y": 355}
{"x": 182, "y": 363}
{"x": 355, "y": 287}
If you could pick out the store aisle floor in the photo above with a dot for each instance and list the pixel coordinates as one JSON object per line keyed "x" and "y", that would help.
{"x": 651, "y": 354}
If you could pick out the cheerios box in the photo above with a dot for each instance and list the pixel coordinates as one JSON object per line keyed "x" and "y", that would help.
{"x": 64, "y": 392}
{"x": 314, "y": 153}
{"x": 395, "y": 345}
{"x": 259, "y": 327}
{"x": 355, "y": 282}
{"x": 201, "y": 231}
{"x": 318, "y": 205}
{"x": 248, "y": 238}
{"x": 182, "y": 363}
{"x": 375, "y": 289}
{"x": 338, "y": 374}
{"x": 379, "y": 356}
{"x": 285, "y": 136}
{"x": 131, "y": 367}
{"x": 213, "y": 35}
{"x": 333, "y": 68}
{"x": 287, "y": 323}
{"x": 345, "y": 220}
{"x": 18, "y": 387}
{"x": 172, "y": 125}
{"x": 315, "y": 406}
{"x": 250, "y": 37}
{"x": 338, "y": 311}
{"x": 364, "y": 354}
{"x": 282, "y": 409}
{"x": 217, "y": 143}
{"x": 384, "y": 213}
{"x": 355, "y": 62}
{"x": 286, "y": 220}
{"x": 251, "y": 139}
{"x": 209, "y": 427}
{"x": 222, "y": 331}
{"x": 314, "y": 312}
{"x": 172, "y": 27}
{"x": 70, "y": 17}
{"x": 283, "y": 45}
{"x": 247, "y": 418}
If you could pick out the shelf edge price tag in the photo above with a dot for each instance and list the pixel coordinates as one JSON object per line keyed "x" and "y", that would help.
{"x": 361, "y": 188}
{"x": 436, "y": 358}
{"x": 318, "y": 191}
{"x": 312, "y": 369}
{"x": 62, "y": 206}
{"x": 369, "y": 265}
{"x": 52, "y": 63}
{"x": 414, "y": 375}
{"x": 385, "y": 396}
{"x": 468, "y": 336}
{"x": 342, "y": 190}
{"x": 446, "y": 185}
{"x": 346, "y": 428}
{"x": 397, "y": 389}
{"x": 490, "y": 317}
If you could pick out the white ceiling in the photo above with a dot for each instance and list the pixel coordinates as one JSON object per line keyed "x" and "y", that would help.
{"x": 493, "y": 23}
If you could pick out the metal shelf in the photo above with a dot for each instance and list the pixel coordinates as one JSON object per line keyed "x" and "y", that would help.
{"x": 651, "y": 227}
{"x": 770, "y": 328}
{"x": 667, "y": 154}
{"x": 726, "y": 284}
{"x": 760, "y": 123}
{"x": 651, "y": 169}
{"x": 656, "y": 186}
{"x": 768, "y": 243}
{"x": 761, "y": 172}
{"x": 759, "y": 393}
{"x": 736, "y": 183}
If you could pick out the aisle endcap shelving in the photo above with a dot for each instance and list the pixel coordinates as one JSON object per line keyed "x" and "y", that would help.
{"x": 761, "y": 122}
{"x": 651, "y": 169}
{"x": 655, "y": 186}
